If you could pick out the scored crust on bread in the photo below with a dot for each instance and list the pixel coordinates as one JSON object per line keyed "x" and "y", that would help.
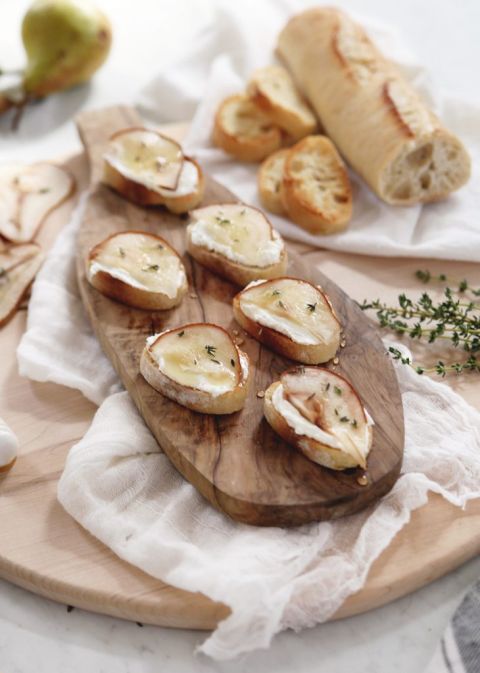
{"x": 199, "y": 366}
{"x": 369, "y": 110}
{"x": 291, "y": 316}
{"x": 270, "y": 177}
{"x": 320, "y": 413}
{"x": 138, "y": 269}
{"x": 138, "y": 170}
{"x": 242, "y": 130}
{"x": 18, "y": 267}
{"x": 273, "y": 90}
{"x": 28, "y": 194}
{"x": 316, "y": 191}
{"x": 237, "y": 242}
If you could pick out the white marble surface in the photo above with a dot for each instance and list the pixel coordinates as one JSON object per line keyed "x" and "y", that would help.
{"x": 39, "y": 636}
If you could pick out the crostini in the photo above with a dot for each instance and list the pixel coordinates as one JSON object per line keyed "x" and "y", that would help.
{"x": 28, "y": 194}
{"x": 242, "y": 130}
{"x": 236, "y": 241}
{"x": 149, "y": 169}
{"x": 290, "y": 316}
{"x": 316, "y": 191}
{"x": 270, "y": 177}
{"x": 138, "y": 269}
{"x": 274, "y": 92}
{"x": 18, "y": 267}
{"x": 199, "y": 366}
{"x": 320, "y": 413}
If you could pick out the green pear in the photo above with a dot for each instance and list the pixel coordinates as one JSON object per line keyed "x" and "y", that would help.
{"x": 66, "y": 42}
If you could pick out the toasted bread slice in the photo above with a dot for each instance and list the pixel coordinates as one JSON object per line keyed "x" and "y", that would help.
{"x": 198, "y": 366}
{"x": 320, "y": 413}
{"x": 138, "y": 269}
{"x": 18, "y": 267}
{"x": 273, "y": 90}
{"x": 237, "y": 242}
{"x": 139, "y": 180}
{"x": 316, "y": 191}
{"x": 270, "y": 178}
{"x": 242, "y": 130}
{"x": 28, "y": 194}
{"x": 290, "y": 316}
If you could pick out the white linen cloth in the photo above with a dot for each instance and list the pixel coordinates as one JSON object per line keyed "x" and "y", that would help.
{"x": 219, "y": 61}
{"x": 122, "y": 488}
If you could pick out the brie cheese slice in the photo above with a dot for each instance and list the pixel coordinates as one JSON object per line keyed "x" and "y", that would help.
{"x": 200, "y": 356}
{"x": 146, "y": 157}
{"x": 142, "y": 260}
{"x": 240, "y": 233}
{"x": 295, "y": 308}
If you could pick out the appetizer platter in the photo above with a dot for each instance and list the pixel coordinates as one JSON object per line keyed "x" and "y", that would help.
{"x": 237, "y": 459}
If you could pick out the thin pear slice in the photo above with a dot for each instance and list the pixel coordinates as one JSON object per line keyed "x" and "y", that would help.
{"x": 146, "y": 157}
{"x": 199, "y": 366}
{"x": 18, "y": 267}
{"x": 28, "y": 194}
{"x": 291, "y": 316}
{"x": 329, "y": 402}
{"x": 240, "y": 233}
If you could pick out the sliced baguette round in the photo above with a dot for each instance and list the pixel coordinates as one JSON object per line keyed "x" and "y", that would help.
{"x": 372, "y": 114}
{"x": 273, "y": 90}
{"x": 138, "y": 269}
{"x": 270, "y": 177}
{"x": 315, "y": 401}
{"x": 243, "y": 131}
{"x": 198, "y": 366}
{"x": 316, "y": 191}
{"x": 237, "y": 242}
{"x": 287, "y": 313}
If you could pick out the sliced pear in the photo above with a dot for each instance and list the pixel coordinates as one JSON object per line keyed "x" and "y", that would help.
{"x": 240, "y": 233}
{"x": 18, "y": 267}
{"x": 27, "y": 195}
{"x": 321, "y": 414}
{"x": 146, "y": 157}
{"x": 198, "y": 366}
{"x": 144, "y": 262}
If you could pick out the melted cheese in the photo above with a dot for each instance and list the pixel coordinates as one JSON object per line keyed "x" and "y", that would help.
{"x": 293, "y": 308}
{"x": 201, "y": 357}
{"x": 142, "y": 261}
{"x": 239, "y": 233}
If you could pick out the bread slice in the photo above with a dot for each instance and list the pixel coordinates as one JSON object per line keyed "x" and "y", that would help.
{"x": 372, "y": 114}
{"x": 270, "y": 178}
{"x": 137, "y": 179}
{"x": 316, "y": 191}
{"x": 198, "y": 366}
{"x": 18, "y": 267}
{"x": 319, "y": 413}
{"x": 290, "y": 316}
{"x": 273, "y": 90}
{"x": 242, "y": 130}
{"x": 28, "y": 194}
{"x": 236, "y": 241}
{"x": 138, "y": 269}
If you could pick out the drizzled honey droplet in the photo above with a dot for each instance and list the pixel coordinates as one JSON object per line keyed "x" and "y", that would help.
{"x": 362, "y": 480}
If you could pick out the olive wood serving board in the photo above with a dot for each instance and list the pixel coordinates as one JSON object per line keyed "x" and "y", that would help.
{"x": 236, "y": 461}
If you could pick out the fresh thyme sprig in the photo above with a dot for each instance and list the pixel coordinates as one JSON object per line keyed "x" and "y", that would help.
{"x": 455, "y": 318}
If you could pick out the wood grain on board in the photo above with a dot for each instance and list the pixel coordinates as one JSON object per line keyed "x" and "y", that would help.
{"x": 44, "y": 550}
{"x": 236, "y": 461}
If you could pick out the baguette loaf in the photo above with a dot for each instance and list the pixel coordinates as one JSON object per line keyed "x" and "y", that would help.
{"x": 370, "y": 111}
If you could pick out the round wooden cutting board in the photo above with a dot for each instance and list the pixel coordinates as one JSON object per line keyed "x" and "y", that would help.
{"x": 44, "y": 550}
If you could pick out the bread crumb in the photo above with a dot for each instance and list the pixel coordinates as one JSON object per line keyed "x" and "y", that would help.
{"x": 261, "y": 393}
{"x": 193, "y": 295}
{"x": 335, "y": 361}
